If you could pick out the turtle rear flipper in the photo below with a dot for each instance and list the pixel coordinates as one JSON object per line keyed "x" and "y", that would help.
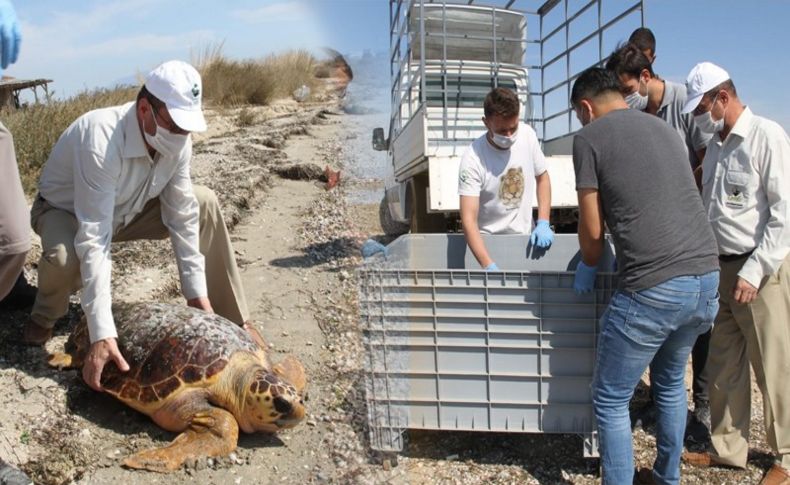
{"x": 213, "y": 432}
{"x": 292, "y": 371}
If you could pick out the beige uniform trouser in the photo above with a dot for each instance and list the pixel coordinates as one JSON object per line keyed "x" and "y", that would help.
{"x": 59, "y": 268}
{"x": 11, "y": 266}
{"x": 757, "y": 333}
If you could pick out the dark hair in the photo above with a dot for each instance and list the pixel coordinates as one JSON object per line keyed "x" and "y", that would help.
{"x": 643, "y": 39}
{"x": 155, "y": 102}
{"x": 501, "y": 102}
{"x": 726, "y": 85}
{"x": 629, "y": 60}
{"x": 593, "y": 82}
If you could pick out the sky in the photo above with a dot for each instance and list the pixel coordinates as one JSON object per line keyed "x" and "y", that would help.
{"x": 85, "y": 44}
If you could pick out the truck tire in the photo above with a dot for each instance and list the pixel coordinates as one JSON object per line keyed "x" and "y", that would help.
{"x": 390, "y": 226}
{"x": 421, "y": 222}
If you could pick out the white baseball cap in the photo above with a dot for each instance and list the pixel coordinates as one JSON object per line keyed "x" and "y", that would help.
{"x": 702, "y": 78}
{"x": 178, "y": 85}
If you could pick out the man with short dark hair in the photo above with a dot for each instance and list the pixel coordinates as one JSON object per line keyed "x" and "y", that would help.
{"x": 746, "y": 191}
{"x": 645, "y": 41}
{"x": 665, "y": 99}
{"x": 122, "y": 174}
{"x": 668, "y": 270}
{"x": 496, "y": 182}
{"x": 644, "y": 91}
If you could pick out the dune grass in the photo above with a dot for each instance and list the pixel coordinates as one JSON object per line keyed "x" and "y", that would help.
{"x": 232, "y": 83}
{"x": 226, "y": 84}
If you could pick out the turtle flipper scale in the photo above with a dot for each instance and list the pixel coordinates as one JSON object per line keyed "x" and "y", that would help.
{"x": 213, "y": 432}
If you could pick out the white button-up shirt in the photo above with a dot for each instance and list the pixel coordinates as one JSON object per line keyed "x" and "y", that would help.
{"x": 746, "y": 189}
{"x": 100, "y": 170}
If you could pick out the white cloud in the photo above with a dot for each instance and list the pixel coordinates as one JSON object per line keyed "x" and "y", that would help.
{"x": 273, "y": 13}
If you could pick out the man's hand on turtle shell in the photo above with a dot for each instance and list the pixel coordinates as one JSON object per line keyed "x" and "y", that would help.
{"x": 201, "y": 303}
{"x": 101, "y": 352}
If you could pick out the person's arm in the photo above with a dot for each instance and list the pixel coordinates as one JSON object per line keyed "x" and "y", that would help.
{"x": 591, "y": 231}
{"x": 470, "y": 206}
{"x": 95, "y": 180}
{"x": 591, "y": 227}
{"x": 543, "y": 192}
{"x": 542, "y": 236}
{"x": 470, "y": 184}
{"x": 181, "y": 216}
{"x": 775, "y": 240}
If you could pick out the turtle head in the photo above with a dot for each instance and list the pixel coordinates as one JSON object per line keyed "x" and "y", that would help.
{"x": 271, "y": 404}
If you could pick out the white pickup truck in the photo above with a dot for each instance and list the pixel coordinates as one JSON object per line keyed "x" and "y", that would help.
{"x": 445, "y": 57}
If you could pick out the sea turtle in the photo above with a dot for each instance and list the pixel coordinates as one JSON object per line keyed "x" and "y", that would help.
{"x": 194, "y": 373}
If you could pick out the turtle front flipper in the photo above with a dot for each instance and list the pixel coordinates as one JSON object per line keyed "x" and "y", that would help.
{"x": 213, "y": 432}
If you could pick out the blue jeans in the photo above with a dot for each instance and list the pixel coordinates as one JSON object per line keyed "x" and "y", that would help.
{"x": 658, "y": 324}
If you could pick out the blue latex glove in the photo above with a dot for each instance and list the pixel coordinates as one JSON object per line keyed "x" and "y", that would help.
{"x": 585, "y": 278}
{"x": 542, "y": 235}
{"x": 371, "y": 248}
{"x": 10, "y": 38}
{"x": 492, "y": 267}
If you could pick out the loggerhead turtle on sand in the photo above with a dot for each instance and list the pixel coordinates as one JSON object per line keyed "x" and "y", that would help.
{"x": 197, "y": 374}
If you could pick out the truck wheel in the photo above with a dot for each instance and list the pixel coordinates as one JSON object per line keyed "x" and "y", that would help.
{"x": 421, "y": 222}
{"x": 390, "y": 226}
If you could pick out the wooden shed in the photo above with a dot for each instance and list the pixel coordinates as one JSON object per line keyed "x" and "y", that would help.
{"x": 10, "y": 88}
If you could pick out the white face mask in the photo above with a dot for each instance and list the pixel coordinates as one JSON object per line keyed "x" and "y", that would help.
{"x": 166, "y": 143}
{"x": 503, "y": 141}
{"x": 706, "y": 123}
{"x": 637, "y": 100}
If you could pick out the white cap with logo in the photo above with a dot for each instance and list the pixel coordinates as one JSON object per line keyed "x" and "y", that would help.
{"x": 702, "y": 78}
{"x": 178, "y": 85}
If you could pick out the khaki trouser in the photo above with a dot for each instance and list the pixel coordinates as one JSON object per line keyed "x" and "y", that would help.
{"x": 59, "y": 268}
{"x": 11, "y": 266}
{"x": 758, "y": 333}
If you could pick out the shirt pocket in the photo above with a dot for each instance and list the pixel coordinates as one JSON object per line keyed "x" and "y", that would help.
{"x": 737, "y": 189}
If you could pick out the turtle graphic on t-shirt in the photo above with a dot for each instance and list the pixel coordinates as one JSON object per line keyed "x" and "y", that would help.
{"x": 511, "y": 187}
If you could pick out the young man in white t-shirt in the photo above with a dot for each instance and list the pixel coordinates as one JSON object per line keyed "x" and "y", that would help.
{"x": 496, "y": 179}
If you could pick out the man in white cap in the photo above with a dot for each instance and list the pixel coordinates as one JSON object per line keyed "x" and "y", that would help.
{"x": 746, "y": 191}
{"x": 121, "y": 174}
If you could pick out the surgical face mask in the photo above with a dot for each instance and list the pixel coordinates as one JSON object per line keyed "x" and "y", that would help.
{"x": 503, "y": 141}
{"x": 165, "y": 142}
{"x": 637, "y": 100}
{"x": 706, "y": 123}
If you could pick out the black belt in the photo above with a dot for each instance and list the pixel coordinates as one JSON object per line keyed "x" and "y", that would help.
{"x": 729, "y": 258}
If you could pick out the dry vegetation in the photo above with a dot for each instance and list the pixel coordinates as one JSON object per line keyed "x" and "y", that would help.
{"x": 36, "y": 128}
{"x": 226, "y": 83}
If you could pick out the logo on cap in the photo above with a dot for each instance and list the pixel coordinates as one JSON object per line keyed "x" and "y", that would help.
{"x": 195, "y": 90}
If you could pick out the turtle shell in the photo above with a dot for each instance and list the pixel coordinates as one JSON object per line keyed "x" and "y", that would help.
{"x": 168, "y": 347}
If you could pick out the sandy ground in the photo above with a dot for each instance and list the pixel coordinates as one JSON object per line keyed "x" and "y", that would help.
{"x": 296, "y": 247}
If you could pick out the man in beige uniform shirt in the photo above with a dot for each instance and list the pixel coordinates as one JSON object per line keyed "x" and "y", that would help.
{"x": 746, "y": 191}
{"x": 120, "y": 174}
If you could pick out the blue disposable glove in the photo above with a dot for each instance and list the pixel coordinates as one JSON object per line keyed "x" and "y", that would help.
{"x": 492, "y": 267}
{"x": 585, "y": 278}
{"x": 372, "y": 247}
{"x": 10, "y": 38}
{"x": 542, "y": 235}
